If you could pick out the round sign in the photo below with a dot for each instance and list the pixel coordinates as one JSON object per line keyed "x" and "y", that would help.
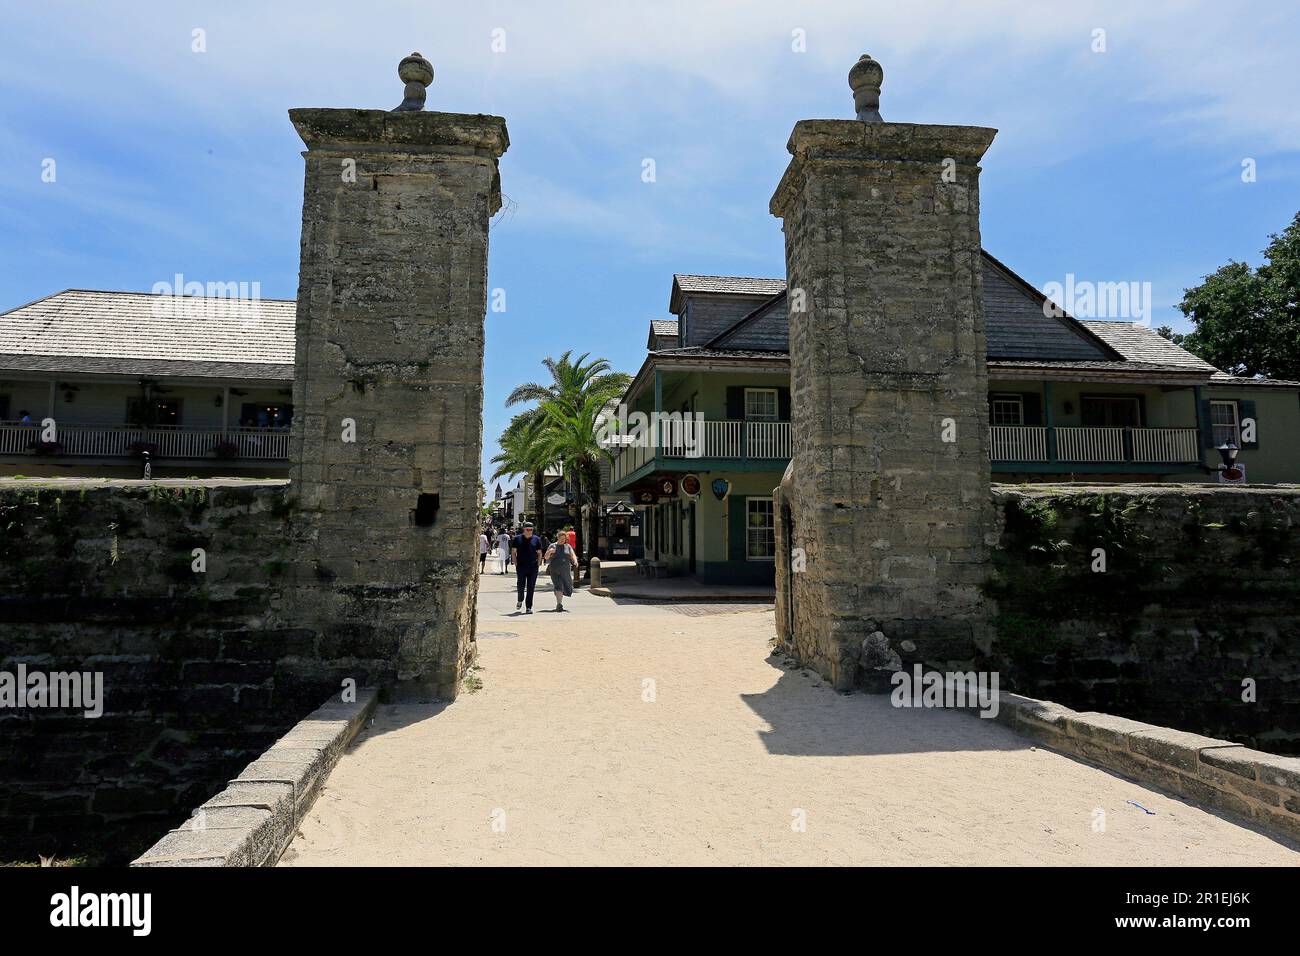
{"x": 691, "y": 485}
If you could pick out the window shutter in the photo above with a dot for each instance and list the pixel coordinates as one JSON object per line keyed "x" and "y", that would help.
{"x": 1207, "y": 428}
{"x": 1033, "y": 408}
{"x": 1246, "y": 409}
{"x": 735, "y": 402}
{"x": 783, "y": 404}
{"x": 737, "y": 540}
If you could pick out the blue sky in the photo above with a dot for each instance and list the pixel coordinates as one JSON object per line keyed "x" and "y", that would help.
{"x": 1122, "y": 165}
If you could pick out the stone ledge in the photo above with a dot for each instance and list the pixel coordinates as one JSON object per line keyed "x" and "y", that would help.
{"x": 254, "y": 819}
{"x": 1260, "y": 788}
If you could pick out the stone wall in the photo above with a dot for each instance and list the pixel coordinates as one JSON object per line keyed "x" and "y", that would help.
{"x": 1199, "y": 593}
{"x": 1258, "y": 787}
{"x": 202, "y": 670}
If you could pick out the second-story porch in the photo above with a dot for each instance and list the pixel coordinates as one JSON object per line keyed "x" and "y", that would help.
{"x": 688, "y": 414}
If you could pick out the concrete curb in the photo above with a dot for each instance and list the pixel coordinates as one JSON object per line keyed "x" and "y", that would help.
{"x": 719, "y": 598}
{"x": 1262, "y": 789}
{"x": 255, "y": 818}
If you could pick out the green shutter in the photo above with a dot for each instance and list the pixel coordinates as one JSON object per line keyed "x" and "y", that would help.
{"x": 1033, "y": 405}
{"x": 783, "y": 403}
{"x": 1246, "y": 409}
{"x": 736, "y": 538}
{"x": 1207, "y": 429}
{"x": 735, "y": 402}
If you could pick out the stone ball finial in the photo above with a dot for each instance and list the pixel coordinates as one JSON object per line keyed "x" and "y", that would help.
{"x": 864, "y": 80}
{"x": 417, "y": 73}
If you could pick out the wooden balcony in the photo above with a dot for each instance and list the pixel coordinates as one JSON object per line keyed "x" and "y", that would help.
{"x": 125, "y": 441}
{"x": 685, "y": 443}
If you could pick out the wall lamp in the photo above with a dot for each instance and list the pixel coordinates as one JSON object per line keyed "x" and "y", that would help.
{"x": 1228, "y": 452}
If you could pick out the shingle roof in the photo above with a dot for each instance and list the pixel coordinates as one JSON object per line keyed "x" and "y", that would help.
{"x": 743, "y": 285}
{"x": 663, "y": 326}
{"x": 705, "y": 352}
{"x": 1223, "y": 378}
{"x": 1141, "y": 343}
{"x": 141, "y": 333}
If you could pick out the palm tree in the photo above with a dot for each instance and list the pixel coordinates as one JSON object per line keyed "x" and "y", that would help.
{"x": 523, "y": 452}
{"x": 570, "y": 409}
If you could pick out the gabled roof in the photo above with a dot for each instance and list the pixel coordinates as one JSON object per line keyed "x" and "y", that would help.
{"x": 1023, "y": 329}
{"x": 660, "y": 329}
{"x": 135, "y": 333}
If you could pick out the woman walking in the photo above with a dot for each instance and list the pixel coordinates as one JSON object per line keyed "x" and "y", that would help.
{"x": 503, "y": 550}
{"x": 561, "y": 559}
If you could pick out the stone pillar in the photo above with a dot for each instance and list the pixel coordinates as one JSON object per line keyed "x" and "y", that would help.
{"x": 388, "y": 383}
{"x": 888, "y": 492}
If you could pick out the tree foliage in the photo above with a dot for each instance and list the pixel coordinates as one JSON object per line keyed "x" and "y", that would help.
{"x": 564, "y": 427}
{"x": 1247, "y": 321}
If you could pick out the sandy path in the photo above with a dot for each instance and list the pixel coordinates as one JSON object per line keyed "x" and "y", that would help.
{"x": 559, "y": 760}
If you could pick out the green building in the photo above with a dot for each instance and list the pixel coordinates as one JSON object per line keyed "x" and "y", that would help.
{"x": 1069, "y": 400}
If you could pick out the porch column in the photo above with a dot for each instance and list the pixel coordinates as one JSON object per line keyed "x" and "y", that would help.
{"x": 658, "y": 436}
{"x": 889, "y": 490}
{"x": 1049, "y": 421}
{"x": 50, "y": 404}
{"x": 225, "y": 410}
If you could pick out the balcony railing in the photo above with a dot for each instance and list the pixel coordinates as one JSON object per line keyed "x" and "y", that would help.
{"x": 1076, "y": 445}
{"x": 684, "y": 440}
{"x": 123, "y": 441}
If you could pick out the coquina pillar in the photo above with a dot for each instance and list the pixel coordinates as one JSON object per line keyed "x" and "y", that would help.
{"x": 886, "y": 504}
{"x": 388, "y": 386}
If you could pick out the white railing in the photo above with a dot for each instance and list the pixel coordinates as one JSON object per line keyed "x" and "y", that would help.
{"x": 767, "y": 439}
{"x": 122, "y": 441}
{"x": 1166, "y": 444}
{"x": 701, "y": 439}
{"x": 1073, "y": 444}
{"x": 1089, "y": 444}
{"x": 1017, "y": 443}
{"x": 687, "y": 439}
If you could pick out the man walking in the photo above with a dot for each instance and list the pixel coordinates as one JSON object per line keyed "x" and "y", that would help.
{"x": 482, "y": 550}
{"x": 526, "y": 548}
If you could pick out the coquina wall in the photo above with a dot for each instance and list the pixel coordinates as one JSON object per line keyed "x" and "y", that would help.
{"x": 202, "y": 669}
{"x": 1198, "y": 604}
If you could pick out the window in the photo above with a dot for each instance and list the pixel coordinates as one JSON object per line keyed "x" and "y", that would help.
{"x": 1225, "y": 423}
{"x": 761, "y": 405}
{"x": 760, "y": 530}
{"x": 159, "y": 411}
{"x": 1107, "y": 411}
{"x": 259, "y": 415}
{"x": 4, "y": 408}
{"x": 1006, "y": 410}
